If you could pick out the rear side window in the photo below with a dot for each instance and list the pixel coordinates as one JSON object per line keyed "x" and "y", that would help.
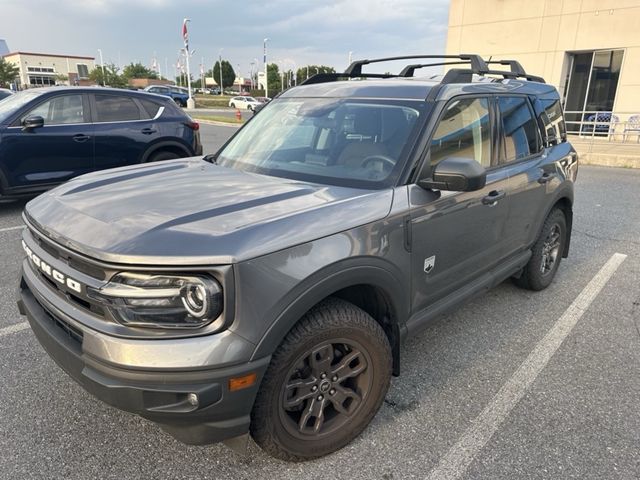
{"x": 463, "y": 131}
{"x": 521, "y": 137}
{"x": 150, "y": 108}
{"x": 113, "y": 108}
{"x": 554, "y": 123}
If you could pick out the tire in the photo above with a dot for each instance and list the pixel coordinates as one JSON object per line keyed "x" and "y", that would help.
{"x": 233, "y": 105}
{"x": 546, "y": 253}
{"x": 337, "y": 334}
{"x": 178, "y": 102}
{"x": 161, "y": 156}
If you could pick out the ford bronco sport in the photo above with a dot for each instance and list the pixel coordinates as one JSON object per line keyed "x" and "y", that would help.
{"x": 268, "y": 288}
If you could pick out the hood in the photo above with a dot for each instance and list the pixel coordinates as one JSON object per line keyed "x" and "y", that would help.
{"x": 191, "y": 212}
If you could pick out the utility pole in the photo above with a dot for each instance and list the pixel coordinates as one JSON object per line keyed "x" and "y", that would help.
{"x": 266, "y": 73}
{"x": 104, "y": 79}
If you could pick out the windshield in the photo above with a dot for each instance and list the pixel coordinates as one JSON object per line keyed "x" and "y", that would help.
{"x": 11, "y": 104}
{"x": 347, "y": 142}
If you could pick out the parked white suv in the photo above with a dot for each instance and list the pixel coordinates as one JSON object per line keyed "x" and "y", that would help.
{"x": 246, "y": 103}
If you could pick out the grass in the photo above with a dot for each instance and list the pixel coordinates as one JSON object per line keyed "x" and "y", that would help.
{"x": 212, "y": 101}
{"x": 218, "y": 118}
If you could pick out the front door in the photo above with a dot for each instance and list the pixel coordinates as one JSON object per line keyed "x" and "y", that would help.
{"x": 457, "y": 236}
{"x": 53, "y": 153}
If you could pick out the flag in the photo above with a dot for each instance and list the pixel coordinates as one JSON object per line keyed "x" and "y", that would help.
{"x": 185, "y": 33}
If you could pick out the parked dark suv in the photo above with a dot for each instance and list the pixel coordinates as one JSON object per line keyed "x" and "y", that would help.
{"x": 50, "y": 135}
{"x": 268, "y": 288}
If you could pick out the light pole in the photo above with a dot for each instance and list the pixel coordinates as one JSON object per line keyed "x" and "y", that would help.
{"x": 251, "y": 74}
{"x": 266, "y": 73}
{"x": 104, "y": 80}
{"x": 220, "y": 63}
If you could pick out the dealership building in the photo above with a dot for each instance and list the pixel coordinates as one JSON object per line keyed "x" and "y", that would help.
{"x": 44, "y": 69}
{"x": 588, "y": 49}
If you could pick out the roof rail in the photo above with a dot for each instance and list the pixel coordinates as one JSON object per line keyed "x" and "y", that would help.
{"x": 332, "y": 77}
{"x": 477, "y": 63}
{"x": 460, "y": 75}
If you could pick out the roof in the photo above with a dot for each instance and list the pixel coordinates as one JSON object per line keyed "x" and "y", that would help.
{"x": 48, "y": 55}
{"x": 413, "y": 88}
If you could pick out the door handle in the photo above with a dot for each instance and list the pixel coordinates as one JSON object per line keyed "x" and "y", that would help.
{"x": 493, "y": 197}
{"x": 80, "y": 138}
{"x": 148, "y": 131}
{"x": 546, "y": 177}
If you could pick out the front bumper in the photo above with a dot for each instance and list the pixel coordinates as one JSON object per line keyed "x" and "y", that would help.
{"x": 160, "y": 395}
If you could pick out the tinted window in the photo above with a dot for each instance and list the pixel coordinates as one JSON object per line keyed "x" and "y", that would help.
{"x": 521, "y": 136}
{"x": 463, "y": 131}
{"x": 150, "y": 108}
{"x": 112, "y": 108}
{"x": 554, "y": 123}
{"x": 60, "y": 110}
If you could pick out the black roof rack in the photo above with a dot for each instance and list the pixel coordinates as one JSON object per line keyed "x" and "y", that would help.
{"x": 477, "y": 65}
{"x": 476, "y": 61}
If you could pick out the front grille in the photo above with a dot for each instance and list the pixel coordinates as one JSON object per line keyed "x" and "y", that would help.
{"x": 74, "y": 261}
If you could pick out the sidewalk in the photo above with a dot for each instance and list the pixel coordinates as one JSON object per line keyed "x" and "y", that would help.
{"x": 609, "y": 153}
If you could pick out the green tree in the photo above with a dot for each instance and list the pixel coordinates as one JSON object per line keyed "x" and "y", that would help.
{"x": 228, "y": 75}
{"x": 301, "y": 73}
{"x": 273, "y": 79}
{"x": 137, "y": 70}
{"x": 8, "y": 72}
{"x": 112, "y": 77}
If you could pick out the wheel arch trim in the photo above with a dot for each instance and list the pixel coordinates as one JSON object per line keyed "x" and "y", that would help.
{"x": 324, "y": 284}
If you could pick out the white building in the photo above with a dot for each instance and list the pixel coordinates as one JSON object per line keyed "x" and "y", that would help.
{"x": 44, "y": 69}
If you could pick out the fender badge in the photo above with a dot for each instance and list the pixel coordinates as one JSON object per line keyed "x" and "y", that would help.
{"x": 429, "y": 264}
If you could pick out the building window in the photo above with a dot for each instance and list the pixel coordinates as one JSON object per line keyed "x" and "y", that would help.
{"x": 41, "y": 80}
{"x": 590, "y": 87}
{"x": 83, "y": 71}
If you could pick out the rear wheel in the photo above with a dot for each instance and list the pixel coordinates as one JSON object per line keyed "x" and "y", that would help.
{"x": 233, "y": 105}
{"x": 162, "y": 155}
{"x": 546, "y": 253}
{"x": 325, "y": 383}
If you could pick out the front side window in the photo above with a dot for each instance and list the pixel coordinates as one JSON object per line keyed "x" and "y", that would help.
{"x": 113, "y": 108}
{"x": 347, "y": 142}
{"x": 521, "y": 136}
{"x": 60, "y": 110}
{"x": 463, "y": 131}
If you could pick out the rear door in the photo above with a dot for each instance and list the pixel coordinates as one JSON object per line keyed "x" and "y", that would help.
{"x": 457, "y": 236}
{"x": 54, "y": 153}
{"x": 123, "y": 129}
{"x": 522, "y": 156}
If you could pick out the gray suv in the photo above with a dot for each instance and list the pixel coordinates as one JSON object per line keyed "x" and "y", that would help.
{"x": 267, "y": 289}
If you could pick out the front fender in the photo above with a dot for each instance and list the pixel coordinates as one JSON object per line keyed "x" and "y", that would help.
{"x": 322, "y": 284}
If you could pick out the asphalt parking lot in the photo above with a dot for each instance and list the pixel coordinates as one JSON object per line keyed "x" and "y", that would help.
{"x": 578, "y": 417}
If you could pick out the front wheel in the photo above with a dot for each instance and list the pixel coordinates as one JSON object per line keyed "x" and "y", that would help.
{"x": 325, "y": 383}
{"x": 546, "y": 253}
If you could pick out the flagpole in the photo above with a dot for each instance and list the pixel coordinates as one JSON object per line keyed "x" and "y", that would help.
{"x": 190, "y": 102}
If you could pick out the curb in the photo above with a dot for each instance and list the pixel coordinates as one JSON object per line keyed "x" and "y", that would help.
{"x": 609, "y": 160}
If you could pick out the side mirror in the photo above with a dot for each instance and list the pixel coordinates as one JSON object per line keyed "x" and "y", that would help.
{"x": 456, "y": 174}
{"x": 30, "y": 123}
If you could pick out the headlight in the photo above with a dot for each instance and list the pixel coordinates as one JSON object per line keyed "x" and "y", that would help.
{"x": 161, "y": 301}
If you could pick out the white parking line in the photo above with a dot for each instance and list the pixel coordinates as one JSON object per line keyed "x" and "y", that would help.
{"x": 15, "y": 328}
{"x": 8, "y": 229}
{"x": 454, "y": 464}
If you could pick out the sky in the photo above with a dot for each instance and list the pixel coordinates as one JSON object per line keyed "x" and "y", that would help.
{"x": 300, "y": 32}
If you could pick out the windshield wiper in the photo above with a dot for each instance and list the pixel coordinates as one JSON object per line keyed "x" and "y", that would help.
{"x": 211, "y": 158}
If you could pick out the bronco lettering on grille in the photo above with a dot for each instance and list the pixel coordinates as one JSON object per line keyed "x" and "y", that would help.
{"x": 51, "y": 272}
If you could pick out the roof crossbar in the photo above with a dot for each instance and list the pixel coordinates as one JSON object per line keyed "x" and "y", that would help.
{"x": 478, "y": 65}
{"x": 459, "y": 75}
